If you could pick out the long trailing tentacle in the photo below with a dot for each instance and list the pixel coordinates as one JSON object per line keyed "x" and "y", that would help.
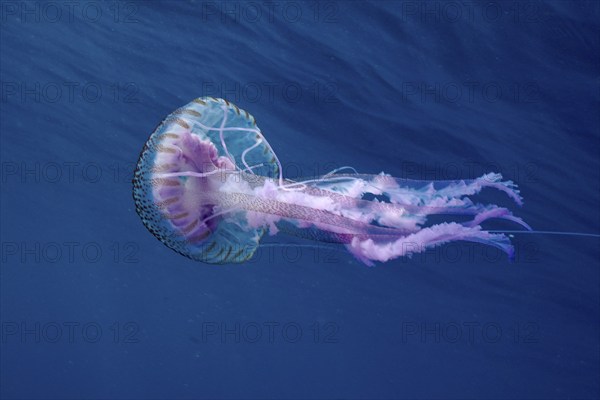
{"x": 409, "y": 191}
{"x": 369, "y": 250}
{"x": 418, "y": 202}
{"x": 410, "y": 203}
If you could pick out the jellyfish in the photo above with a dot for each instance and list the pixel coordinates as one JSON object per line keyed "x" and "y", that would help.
{"x": 209, "y": 186}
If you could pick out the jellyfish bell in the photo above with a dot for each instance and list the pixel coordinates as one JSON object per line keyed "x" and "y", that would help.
{"x": 209, "y": 186}
{"x": 183, "y": 164}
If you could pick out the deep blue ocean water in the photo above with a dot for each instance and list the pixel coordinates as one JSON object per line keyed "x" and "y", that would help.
{"x": 93, "y": 306}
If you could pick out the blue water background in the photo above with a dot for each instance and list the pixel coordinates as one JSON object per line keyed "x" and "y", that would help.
{"x": 378, "y": 86}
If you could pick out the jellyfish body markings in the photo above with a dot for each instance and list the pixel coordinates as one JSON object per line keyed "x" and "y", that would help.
{"x": 209, "y": 186}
